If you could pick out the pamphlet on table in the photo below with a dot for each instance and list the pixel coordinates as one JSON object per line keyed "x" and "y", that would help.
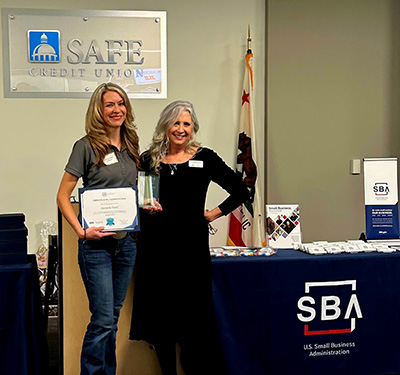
{"x": 283, "y": 225}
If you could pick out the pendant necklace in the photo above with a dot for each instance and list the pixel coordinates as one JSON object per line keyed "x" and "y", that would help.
{"x": 173, "y": 168}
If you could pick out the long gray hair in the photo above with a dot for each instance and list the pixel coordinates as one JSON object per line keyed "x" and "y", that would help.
{"x": 160, "y": 142}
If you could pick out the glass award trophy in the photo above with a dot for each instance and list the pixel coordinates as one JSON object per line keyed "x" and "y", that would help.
{"x": 148, "y": 189}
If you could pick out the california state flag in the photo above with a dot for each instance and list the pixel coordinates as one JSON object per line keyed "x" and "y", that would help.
{"x": 246, "y": 227}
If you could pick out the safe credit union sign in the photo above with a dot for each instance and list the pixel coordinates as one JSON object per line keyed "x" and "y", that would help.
{"x": 68, "y": 53}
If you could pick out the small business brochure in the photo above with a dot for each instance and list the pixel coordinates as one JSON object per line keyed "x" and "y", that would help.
{"x": 283, "y": 225}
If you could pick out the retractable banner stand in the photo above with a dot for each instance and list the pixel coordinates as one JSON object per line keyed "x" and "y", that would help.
{"x": 381, "y": 198}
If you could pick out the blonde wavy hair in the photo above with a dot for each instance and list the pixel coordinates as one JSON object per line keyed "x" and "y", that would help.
{"x": 160, "y": 143}
{"x": 95, "y": 129}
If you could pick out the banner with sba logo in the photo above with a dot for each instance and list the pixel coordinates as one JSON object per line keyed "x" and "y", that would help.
{"x": 381, "y": 198}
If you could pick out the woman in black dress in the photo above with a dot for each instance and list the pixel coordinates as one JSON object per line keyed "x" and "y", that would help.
{"x": 173, "y": 290}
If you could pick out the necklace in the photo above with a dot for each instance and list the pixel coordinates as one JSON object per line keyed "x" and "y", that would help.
{"x": 173, "y": 168}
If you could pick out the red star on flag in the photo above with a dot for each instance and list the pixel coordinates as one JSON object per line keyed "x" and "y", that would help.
{"x": 245, "y": 97}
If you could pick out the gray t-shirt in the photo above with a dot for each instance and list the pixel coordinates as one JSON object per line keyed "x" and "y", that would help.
{"x": 120, "y": 168}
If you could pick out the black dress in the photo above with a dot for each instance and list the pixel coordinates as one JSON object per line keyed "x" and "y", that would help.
{"x": 173, "y": 290}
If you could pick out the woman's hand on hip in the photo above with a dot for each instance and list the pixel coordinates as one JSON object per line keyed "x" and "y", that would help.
{"x": 211, "y": 215}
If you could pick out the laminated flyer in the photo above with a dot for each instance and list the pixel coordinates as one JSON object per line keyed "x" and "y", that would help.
{"x": 283, "y": 225}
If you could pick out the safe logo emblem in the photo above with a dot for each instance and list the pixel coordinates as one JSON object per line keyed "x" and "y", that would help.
{"x": 44, "y": 46}
{"x": 331, "y": 309}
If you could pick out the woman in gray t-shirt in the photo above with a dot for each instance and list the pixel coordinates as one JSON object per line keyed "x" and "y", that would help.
{"x": 108, "y": 156}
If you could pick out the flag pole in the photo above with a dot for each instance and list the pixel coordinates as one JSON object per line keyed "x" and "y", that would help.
{"x": 246, "y": 227}
{"x": 249, "y": 40}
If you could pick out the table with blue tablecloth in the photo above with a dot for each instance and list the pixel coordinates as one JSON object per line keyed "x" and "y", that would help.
{"x": 295, "y": 313}
{"x": 23, "y": 349}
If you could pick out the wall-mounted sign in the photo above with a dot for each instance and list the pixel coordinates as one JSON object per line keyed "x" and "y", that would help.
{"x": 68, "y": 53}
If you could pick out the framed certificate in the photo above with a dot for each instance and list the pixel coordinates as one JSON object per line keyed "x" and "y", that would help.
{"x": 114, "y": 208}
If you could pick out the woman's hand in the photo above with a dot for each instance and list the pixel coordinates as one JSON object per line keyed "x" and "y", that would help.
{"x": 212, "y": 215}
{"x": 94, "y": 233}
{"x": 156, "y": 207}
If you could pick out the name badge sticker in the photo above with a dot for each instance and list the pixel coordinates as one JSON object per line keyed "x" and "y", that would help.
{"x": 110, "y": 158}
{"x": 195, "y": 163}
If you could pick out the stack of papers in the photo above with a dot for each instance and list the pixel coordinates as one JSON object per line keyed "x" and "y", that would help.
{"x": 350, "y": 247}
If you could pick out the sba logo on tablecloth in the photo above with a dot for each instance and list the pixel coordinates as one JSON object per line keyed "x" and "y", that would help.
{"x": 337, "y": 313}
{"x": 44, "y": 46}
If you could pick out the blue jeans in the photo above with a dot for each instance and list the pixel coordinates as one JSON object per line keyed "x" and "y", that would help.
{"x": 106, "y": 268}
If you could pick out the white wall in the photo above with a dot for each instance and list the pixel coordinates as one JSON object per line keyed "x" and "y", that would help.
{"x": 206, "y": 48}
